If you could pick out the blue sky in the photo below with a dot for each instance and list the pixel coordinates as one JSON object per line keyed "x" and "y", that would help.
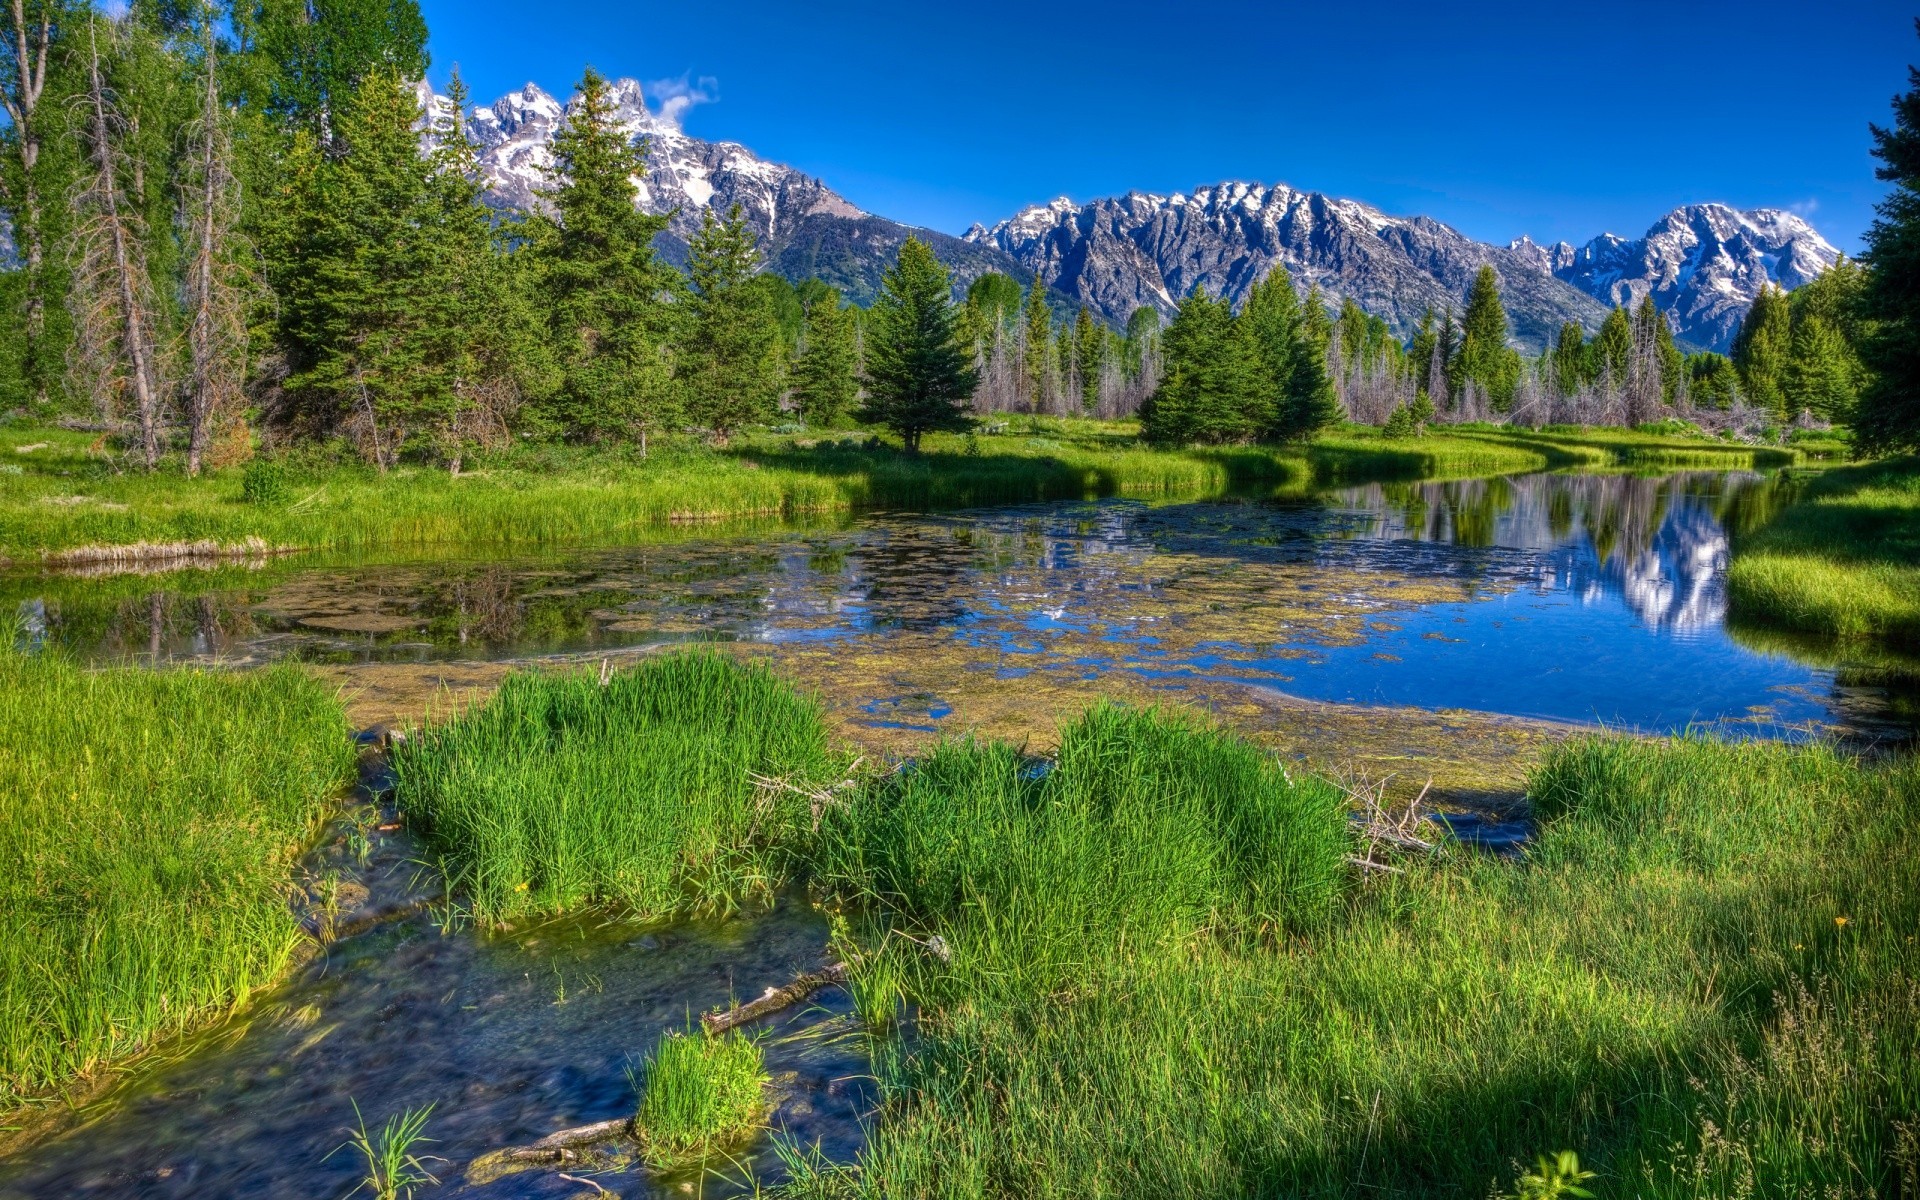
{"x": 1557, "y": 120}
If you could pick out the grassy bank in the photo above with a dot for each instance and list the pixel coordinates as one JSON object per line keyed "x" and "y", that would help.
{"x": 147, "y": 822}
{"x": 1702, "y": 977}
{"x": 1842, "y": 561}
{"x": 62, "y": 494}
{"x": 1158, "y": 973}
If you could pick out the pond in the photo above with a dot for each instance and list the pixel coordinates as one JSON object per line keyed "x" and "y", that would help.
{"x": 1592, "y": 598}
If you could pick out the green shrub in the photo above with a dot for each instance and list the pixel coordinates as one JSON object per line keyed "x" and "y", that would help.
{"x": 265, "y": 483}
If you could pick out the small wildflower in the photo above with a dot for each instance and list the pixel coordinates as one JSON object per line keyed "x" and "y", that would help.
{"x": 1841, "y": 922}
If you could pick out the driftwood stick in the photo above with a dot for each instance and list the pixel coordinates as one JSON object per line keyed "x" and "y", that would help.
{"x": 559, "y": 1147}
{"x": 775, "y": 999}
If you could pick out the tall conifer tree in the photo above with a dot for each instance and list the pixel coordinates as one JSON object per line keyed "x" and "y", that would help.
{"x": 1761, "y": 349}
{"x": 1089, "y": 349}
{"x": 1888, "y": 413}
{"x": 824, "y": 382}
{"x": 732, "y": 362}
{"x": 918, "y": 377}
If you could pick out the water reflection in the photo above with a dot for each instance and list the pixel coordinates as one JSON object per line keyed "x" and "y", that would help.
{"x": 1578, "y": 597}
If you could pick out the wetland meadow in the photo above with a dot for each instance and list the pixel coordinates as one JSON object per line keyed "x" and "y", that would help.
{"x": 1261, "y": 823}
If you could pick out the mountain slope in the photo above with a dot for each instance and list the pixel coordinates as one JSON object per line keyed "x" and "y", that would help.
{"x": 806, "y": 228}
{"x": 1141, "y": 249}
{"x": 1702, "y": 263}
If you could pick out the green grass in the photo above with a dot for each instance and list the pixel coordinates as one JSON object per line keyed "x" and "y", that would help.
{"x": 1843, "y": 561}
{"x": 559, "y": 793}
{"x": 147, "y": 825}
{"x": 1702, "y": 977}
{"x": 68, "y": 495}
{"x": 698, "y": 1094}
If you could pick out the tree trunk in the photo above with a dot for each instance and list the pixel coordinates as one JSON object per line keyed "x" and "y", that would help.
{"x": 22, "y": 108}
{"x": 146, "y": 394}
{"x": 201, "y": 331}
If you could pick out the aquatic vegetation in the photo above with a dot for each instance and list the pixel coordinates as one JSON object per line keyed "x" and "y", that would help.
{"x": 1843, "y": 560}
{"x": 698, "y": 1094}
{"x": 70, "y": 497}
{"x": 393, "y": 1169}
{"x": 1701, "y": 974}
{"x": 148, "y": 822}
{"x": 633, "y": 790}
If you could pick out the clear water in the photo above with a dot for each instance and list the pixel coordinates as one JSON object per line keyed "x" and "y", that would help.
{"x": 1589, "y": 598}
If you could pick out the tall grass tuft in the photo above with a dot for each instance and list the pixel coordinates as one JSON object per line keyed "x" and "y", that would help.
{"x": 698, "y": 1094}
{"x": 560, "y": 792}
{"x": 393, "y": 1169}
{"x": 1702, "y": 976}
{"x": 148, "y": 821}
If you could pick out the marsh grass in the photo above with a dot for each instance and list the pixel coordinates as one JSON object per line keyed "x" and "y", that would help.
{"x": 148, "y": 822}
{"x": 698, "y": 1095}
{"x": 1701, "y": 976}
{"x": 1842, "y": 561}
{"x": 560, "y": 792}
{"x": 393, "y": 1169}
{"x": 69, "y": 494}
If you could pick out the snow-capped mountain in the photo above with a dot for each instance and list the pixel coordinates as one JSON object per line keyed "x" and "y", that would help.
{"x": 806, "y": 228}
{"x": 1141, "y": 249}
{"x": 1702, "y": 263}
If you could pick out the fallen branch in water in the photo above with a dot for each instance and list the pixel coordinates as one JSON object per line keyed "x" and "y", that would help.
{"x": 598, "y": 1190}
{"x": 774, "y": 1000}
{"x": 559, "y": 1147}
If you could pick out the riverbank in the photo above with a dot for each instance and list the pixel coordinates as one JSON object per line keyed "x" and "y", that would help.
{"x": 1842, "y": 561}
{"x": 65, "y": 501}
{"x": 149, "y": 821}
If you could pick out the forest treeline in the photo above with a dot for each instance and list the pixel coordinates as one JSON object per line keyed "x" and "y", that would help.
{"x": 236, "y": 220}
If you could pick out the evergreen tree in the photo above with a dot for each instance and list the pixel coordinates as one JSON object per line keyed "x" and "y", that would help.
{"x": 1215, "y": 388}
{"x": 1612, "y": 348}
{"x": 1569, "y": 361}
{"x": 1142, "y": 338}
{"x": 732, "y": 359}
{"x": 1420, "y": 352}
{"x": 1089, "y": 348}
{"x": 39, "y": 161}
{"x": 1887, "y": 416}
{"x": 1820, "y": 372}
{"x": 991, "y": 311}
{"x": 1483, "y": 357}
{"x": 604, "y": 290}
{"x": 1276, "y": 327}
{"x": 308, "y": 57}
{"x": 1712, "y": 380}
{"x": 358, "y": 301}
{"x": 1761, "y": 349}
{"x": 1446, "y": 346}
{"x": 824, "y": 382}
{"x": 918, "y": 377}
{"x": 1038, "y": 346}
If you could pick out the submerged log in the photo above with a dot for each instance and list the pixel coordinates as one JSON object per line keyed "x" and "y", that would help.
{"x": 559, "y": 1147}
{"x": 775, "y": 1000}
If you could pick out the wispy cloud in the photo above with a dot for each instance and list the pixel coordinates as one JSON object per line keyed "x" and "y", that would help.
{"x": 675, "y": 96}
{"x": 1805, "y": 208}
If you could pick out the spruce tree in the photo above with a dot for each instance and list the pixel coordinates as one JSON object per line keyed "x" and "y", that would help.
{"x": 1274, "y": 323}
{"x": 1570, "y": 360}
{"x": 307, "y": 58}
{"x": 1761, "y": 349}
{"x": 1712, "y": 381}
{"x": 1215, "y": 386}
{"x": 824, "y": 382}
{"x": 1310, "y": 402}
{"x": 1038, "y": 346}
{"x": 1820, "y": 372}
{"x": 1612, "y": 348}
{"x": 41, "y": 160}
{"x": 606, "y": 294}
{"x": 1887, "y": 416}
{"x": 1484, "y": 357}
{"x": 918, "y": 378}
{"x": 732, "y": 359}
{"x": 1089, "y": 349}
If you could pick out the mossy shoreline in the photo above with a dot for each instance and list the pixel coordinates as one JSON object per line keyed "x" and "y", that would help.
{"x": 62, "y": 499}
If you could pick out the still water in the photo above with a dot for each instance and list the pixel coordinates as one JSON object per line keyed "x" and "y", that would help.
{"x": 1584, "y": 598}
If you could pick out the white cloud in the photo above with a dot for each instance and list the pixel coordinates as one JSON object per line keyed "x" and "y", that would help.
{"x": 675, "y": 96}
{"x": 1805, "y": 208}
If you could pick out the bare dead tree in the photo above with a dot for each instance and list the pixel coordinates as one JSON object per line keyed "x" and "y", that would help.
{"x": 23, "y": 81}
{"x": 112, "y": 289}
{"x": 220, "y": 279}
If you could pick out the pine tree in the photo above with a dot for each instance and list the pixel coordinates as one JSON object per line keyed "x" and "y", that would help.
{"x": 1038, "y": 346}
{"x": 1570, "y": 360}
{"x": 359, "y": 301}
{"x": 1887, "y": 416}
{"x": 1446, "y": 345}
{"x": 40, "y": 161}
{"x": 1820, "y": 372}
{"x": 1215, "y": 387}
{"x": 1483, "y": 357}
{"x": 605, "y": 292}
{"x": 1761, "y": 349}
{"x": 824, "y": 382}
{"x": 1612, "y": 348}
{"x": 918, "y": 377}
{"x": 732, "y": 359}
{"x": 1712, "y": 381}
{"x": 1275, "y": 325}
{"x": 1420, "y": 352}
{"x": 1089, "y": 349}
{"x": 308, "y": 57}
